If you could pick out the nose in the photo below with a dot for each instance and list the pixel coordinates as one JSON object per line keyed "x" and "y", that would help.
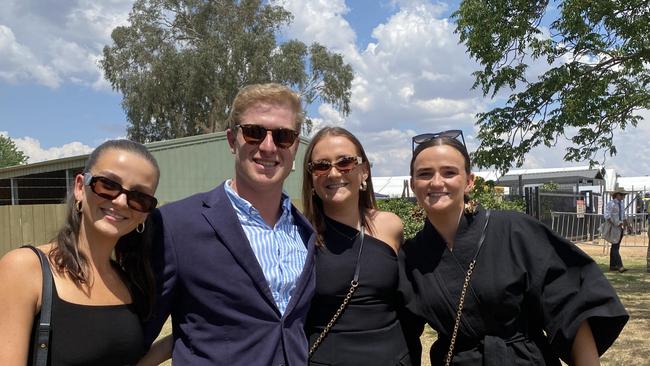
{"x": 436, "y": 180}
{"x": 268, "y": 144}
{"x": 120, "y": 200}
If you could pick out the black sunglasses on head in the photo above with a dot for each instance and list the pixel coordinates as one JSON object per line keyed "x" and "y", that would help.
{"x": 343, "y": 164}
{"x": 452, "y": 134}
{"x": 255, "y": 135}
{"x": 110, "y": 190}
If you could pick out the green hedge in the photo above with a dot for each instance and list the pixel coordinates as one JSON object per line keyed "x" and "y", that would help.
{"x": 413, "y": 216}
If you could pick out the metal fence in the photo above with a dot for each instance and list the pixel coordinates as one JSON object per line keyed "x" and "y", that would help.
{"x": 584, "y": 228}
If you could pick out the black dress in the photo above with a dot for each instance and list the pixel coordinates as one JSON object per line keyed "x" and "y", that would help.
{"x": 529, "y": 292}
{"x": 368, "y": 332}
{"x": 98, "y": 335}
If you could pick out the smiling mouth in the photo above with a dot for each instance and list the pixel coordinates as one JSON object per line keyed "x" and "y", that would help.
{"x": 336, "y": 185}
{"x": 112, "y": 214}
{"x": 266, "y": 163}
{"x": 438, "y": 194}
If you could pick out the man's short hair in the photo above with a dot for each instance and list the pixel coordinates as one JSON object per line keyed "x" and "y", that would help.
{"x": 272, "y": 93}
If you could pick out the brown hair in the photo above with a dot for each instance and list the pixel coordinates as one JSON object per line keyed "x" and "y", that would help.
{"x": 313, "y": 205}
{"x": 270, "y": 93}
{"x": 132, "y": 250}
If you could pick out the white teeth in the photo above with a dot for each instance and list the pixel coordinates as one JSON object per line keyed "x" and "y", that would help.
{"x": 266, "y": 164}
{"x": 337, "y": 185}
{"x": 113, "y": 214}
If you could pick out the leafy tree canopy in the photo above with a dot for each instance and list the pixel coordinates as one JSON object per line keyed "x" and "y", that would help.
{"x": 597, "y": 54}
{"x": 180, "y": 63}
{"x": 10, "y": 155}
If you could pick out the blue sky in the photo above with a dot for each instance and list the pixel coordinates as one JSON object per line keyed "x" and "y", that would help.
{"x": 411, "y": 76}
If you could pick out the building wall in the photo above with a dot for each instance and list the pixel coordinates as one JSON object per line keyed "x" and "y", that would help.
{"x": 188, "y": 166}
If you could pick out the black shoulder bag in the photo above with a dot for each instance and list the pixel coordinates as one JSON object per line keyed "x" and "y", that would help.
{"x": 41, "y": 334}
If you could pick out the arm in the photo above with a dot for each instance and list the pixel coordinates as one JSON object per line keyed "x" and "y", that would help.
{"x": 583, "y": 351}
{"x": 163, "y": 260}
{"x": 159, "y": 352}
{"x": 20, "y": 291}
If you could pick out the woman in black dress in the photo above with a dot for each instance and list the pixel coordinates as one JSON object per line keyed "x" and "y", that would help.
{"x": 98, "y": 302}
{"x": 354, "y": 237}
{"x": 531, "y": 297}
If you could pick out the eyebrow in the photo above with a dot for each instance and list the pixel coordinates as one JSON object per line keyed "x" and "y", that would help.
{"x": 112, "y": 176}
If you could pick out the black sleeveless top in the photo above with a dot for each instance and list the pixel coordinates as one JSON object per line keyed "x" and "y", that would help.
{"x": 98, "y": 335}
{"x": 368, "y": 332}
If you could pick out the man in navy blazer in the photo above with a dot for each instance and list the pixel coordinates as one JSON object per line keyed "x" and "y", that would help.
{"x": 235, "y": 265}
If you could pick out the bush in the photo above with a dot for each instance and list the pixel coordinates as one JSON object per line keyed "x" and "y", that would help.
{"x": 413, "y": 216}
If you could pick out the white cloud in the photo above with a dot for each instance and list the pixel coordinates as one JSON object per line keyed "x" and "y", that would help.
{"x": 32, "y": 148}
{"x": 19, "y": 64}
{"x": 51, "y": 42}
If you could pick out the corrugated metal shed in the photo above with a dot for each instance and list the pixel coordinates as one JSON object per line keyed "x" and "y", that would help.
{"x": 188, "y": 165}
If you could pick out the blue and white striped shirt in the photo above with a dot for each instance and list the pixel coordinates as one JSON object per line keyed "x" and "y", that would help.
{"x": 280, "y": 250}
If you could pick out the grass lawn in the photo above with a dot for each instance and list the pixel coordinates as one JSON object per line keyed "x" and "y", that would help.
{"x": 633, "y": 287}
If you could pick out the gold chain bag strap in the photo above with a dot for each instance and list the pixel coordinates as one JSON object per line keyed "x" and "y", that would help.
{"x": 461, "y": 301}
{"x": 353, "y": 287}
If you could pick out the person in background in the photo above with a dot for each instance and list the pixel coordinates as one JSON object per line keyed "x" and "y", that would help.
{"x": 356, "y": 243}
{"x": 98, "y": 303}
{"x": 499, "y": 287}
{"x": 615, "y": 214}
{"x": 235, "y": 264}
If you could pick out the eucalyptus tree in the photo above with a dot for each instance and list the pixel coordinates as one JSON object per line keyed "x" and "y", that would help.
{"x": 180, "y": 63}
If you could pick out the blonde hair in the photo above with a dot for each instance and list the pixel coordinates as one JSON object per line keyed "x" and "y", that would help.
{"x": 270, "y": 93}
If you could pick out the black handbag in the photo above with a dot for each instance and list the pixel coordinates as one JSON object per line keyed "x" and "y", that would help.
{"x": 41, "y": 335}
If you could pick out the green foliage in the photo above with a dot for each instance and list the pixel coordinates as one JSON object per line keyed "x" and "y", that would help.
{"x": 596, "y": 78}
{"x": 484, "y": 193}
{"x": 180, "y": 63}
{"x": 549, "y": 187}
{"x": 411, "y": 214}
{"x": 10, "y": 155}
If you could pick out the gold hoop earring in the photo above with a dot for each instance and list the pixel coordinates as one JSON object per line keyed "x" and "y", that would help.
{"x": 140, "y": 228}
{"x": 77, "y": 206}
{"x": 364, "y": 186}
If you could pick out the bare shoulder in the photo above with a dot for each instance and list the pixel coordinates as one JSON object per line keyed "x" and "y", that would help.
{"x": 388, "y": 228}
{"x": 20, "y": 271}
{"x": 20, "y": 261}
{"x": 389, "y": 221}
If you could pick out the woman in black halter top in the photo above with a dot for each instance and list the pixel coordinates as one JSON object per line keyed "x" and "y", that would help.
{"x": 357, "y": 242}
{"x": 97, "y": 302}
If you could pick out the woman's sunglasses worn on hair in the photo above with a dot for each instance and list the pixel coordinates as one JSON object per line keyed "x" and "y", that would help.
{"x": 344, "y": 165}
{"x": 452, "y": 134}
{"x": 255, "y": 134}
{"x": 110, "y": 190}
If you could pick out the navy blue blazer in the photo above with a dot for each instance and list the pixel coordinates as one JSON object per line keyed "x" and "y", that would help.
{"x": 211, "y": 283}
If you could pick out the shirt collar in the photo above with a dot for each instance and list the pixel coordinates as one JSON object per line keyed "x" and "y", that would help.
{"x": 242, "y": 206}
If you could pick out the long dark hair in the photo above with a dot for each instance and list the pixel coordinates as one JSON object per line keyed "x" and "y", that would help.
{"x": 131, "y": 251}
{"x": 313, "y": 205}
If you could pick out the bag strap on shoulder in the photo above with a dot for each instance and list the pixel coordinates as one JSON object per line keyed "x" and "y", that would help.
{"x": 42, "y": 332}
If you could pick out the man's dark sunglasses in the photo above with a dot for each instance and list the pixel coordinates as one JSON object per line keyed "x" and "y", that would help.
{"x": 110, "y": 190}
{"x": 255, "y": 134}
{"x": 452, "y": 134}
{"x": 344, "y": 165}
